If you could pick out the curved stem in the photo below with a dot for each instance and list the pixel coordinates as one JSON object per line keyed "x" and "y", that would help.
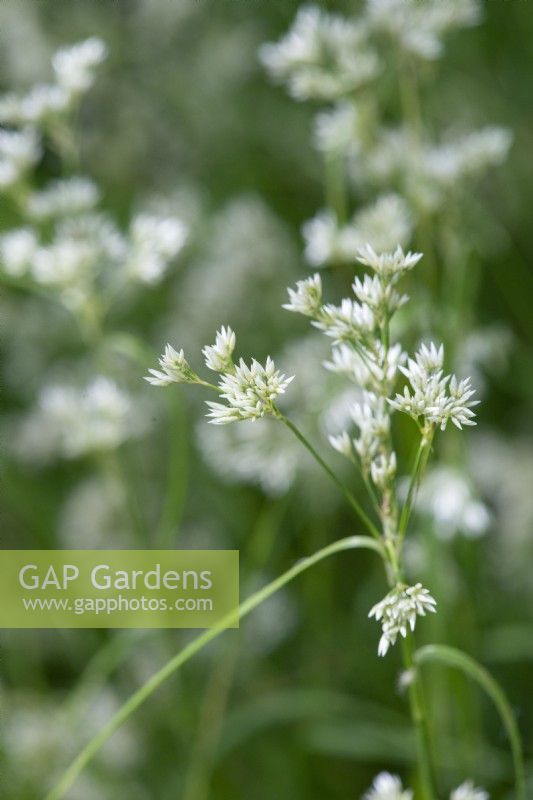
{"x": 361, "y": 513}
{"x": 142, "y": 694}
{"x": 456, "y": 658}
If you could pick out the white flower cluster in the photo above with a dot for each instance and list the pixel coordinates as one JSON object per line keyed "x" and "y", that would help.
{"x": 249, "y": 391}
{"x": 447, "y": 497}
{"x": 387, "y": 787}
{"x": 322, "y": 57}
{"x": 420, "y": 27}
{"x": 73, "y": 421}
{"x": 19, "y": 151}
{"x": 63, "y": 198}
{"x": 467, "y": 791}
{"x": 433, "y": 396}
{"x": 428, "y": 172}
{"x": 74, "y": 69}
{"x": 154, "y": 242}
{"x": 398, "y": 611}
{"x": 384, "y": 223}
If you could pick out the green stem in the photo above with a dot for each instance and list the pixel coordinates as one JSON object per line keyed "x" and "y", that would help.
{"x": 142, "y": 694}
{"x": 361, "y": 513}
{"x": 176, "y": 478}
{"x": 418, "y": 715}
{"x": 421, "y": 460}
{"x": 456, "y": 658}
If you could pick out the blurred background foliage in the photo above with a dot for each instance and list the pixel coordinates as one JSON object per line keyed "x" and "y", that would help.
{"x": 183, "y": 119}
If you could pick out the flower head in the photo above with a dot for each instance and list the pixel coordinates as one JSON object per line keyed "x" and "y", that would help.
{"x": 467, "y": 791}
{"x": 437, "y": 398}
{"x": 218, "y": 356}
{"x": 175, "y": 369}
{"x": 398, "y": 611}
{"x": 387, "y": 787}
{"x": 307, "y": 298}
{"x": 388, "y": 265}
{"x": 322, "y": 57}
{"x": 74, "y": 66}
{"x": 250, "y": 392}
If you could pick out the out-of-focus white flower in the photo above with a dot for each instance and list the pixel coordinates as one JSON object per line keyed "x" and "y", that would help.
{"x": 429, "y": 171}
{"x": 35, "y": 107}
{"x": 446, "y": 495}
{"x": 398, "y": 611}
{"x": 79, "y": 421}
{"x": 75, "y": 66}
{"x": 175, "y": 369}
{"x": 467, "y": 791}
{"x": 218, "y": 356}
{"x": 155, "y": 242}
{"x": 307, "y": 298}
{"x": 63, "y": 197}
{"x": 260, "y": 454}
{"x": 250, "y": 392}
{"x": 387, "y": 787}
{"x": 383, "y": 470}
{"x": 436, "y": 398}
{"x": 19, "y": 150}
{"x": 420, "y": 27}
{"x": 322, "y": 57}
{"x": 383, "y": 224}
{"x": 337, "y": 131}
{"x": 17, "y": 251}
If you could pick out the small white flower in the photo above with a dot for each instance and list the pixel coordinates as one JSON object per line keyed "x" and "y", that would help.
{"x": 323, "y": 56}
{"x": 420, "y": 27}
{"x": 382, "y": 299}
{"x": 75, "y": 66}
{"x": 388, "y": 265}
{"x": 63, "y": 198}
{"x": 350, "y": 321}
{"x": 467, "y": 791}
{"x": 337, "y": 131}
{"x": 218, "y": 356}
{"x": 342, "y": 444}
{"x": 398, "y": 611}
{"x": 175, "y": 369}
{"x": 249, "y": 391}
{"x": 155, "y": 242}
{"x": 17, "y": 251}
{"x": 387, "y": 787}
{"x": 307, "y": 297}
{"x": 383, "y": 470}
{"x": 373, "y": 423}
{"x": 35, "y": 107}
{"x": 19, "y": 150}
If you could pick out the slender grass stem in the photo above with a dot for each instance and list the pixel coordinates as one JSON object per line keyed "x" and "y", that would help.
{"x": 418, "y": 715}
{"x": 148, "y": 688}
{"x": 361, "y": 513}
{"x": 421, "y": 459}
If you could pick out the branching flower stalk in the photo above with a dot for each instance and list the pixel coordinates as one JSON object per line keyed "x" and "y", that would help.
{"x": 362, "y": 350}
